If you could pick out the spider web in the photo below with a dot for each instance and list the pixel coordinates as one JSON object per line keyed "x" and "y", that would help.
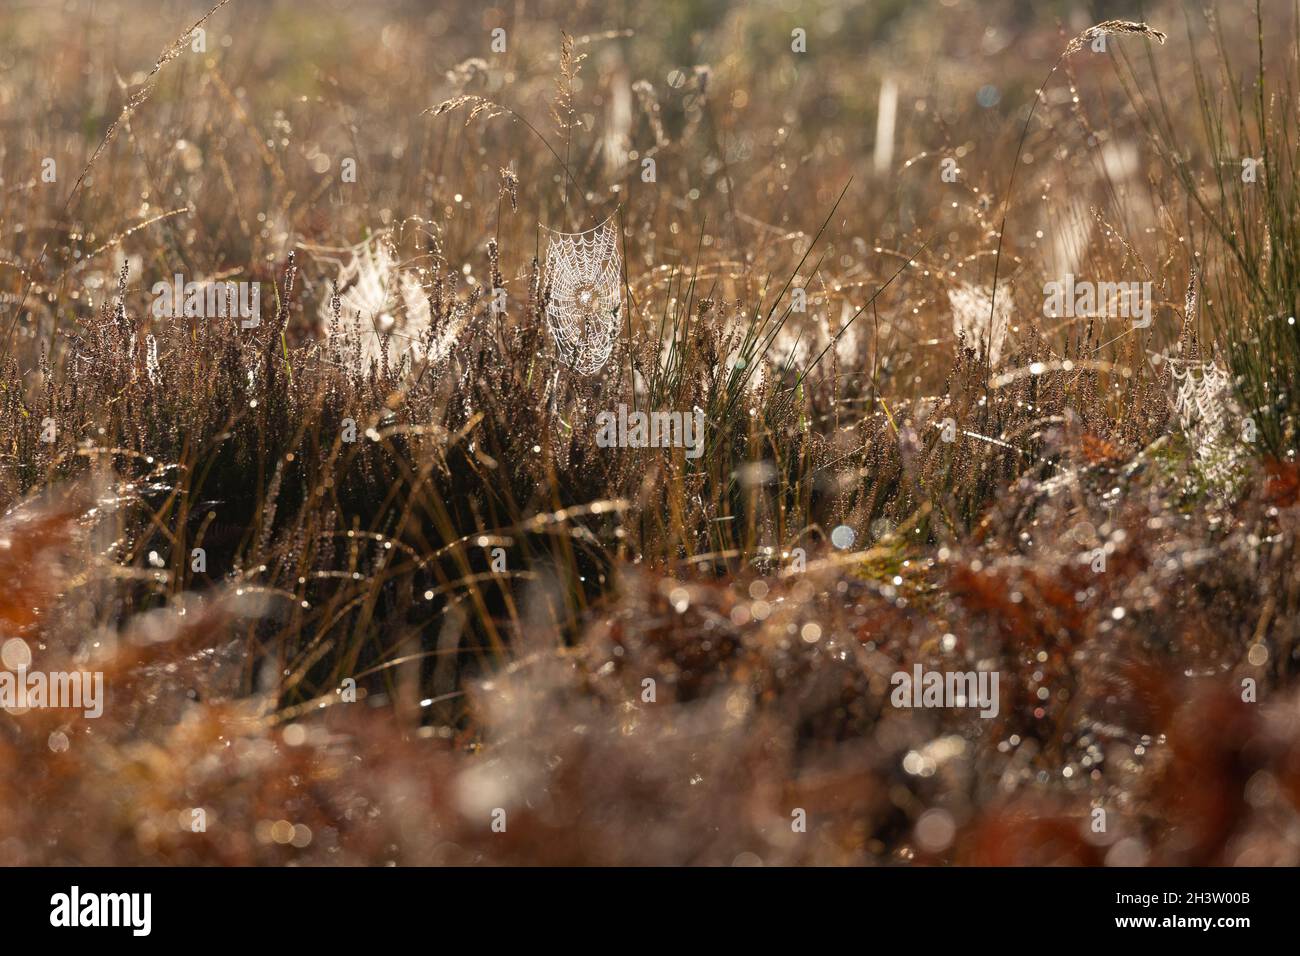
{"x": 582, "y": 313}
{"x": 971, "y": 319}
{"x": 1201, "y": 398}
{"x": 1203, "y": 402}
{"x": 377, "y": 298}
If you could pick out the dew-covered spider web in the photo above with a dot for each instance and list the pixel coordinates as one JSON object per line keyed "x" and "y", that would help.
{"x": 1202, "y": 396}
{"x": 583, "y": 311}
{"x": 379, "y": 301}
{"x": 1206, "y": 409}
{"x": 974, "y": 321}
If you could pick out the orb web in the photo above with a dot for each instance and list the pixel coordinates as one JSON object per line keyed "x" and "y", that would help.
{"x": 1201, "y": 398}
{"x": 582, "y": 313}
{"x": 1204, "y": 406}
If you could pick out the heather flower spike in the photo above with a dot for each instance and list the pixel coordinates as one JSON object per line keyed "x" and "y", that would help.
{"x": 583, "y": 311}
